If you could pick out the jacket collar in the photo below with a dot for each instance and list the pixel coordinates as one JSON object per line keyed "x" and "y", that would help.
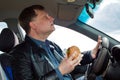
{"x": 38, "y": 47}
{"x": 33, "y": 44}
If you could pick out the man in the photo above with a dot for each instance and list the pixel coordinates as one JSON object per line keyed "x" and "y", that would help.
{"x": 38, "y": 58}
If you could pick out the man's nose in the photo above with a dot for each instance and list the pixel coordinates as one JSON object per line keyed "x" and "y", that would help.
{"x": 51, "y": 18}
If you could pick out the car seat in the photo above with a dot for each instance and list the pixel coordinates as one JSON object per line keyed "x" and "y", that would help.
{"x": 8, "y": 40}
{"x": 113, "y": 71}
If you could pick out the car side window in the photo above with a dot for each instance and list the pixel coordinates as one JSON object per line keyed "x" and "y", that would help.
{"x": 3, "y": 25}
{"x": 65, "y": 38}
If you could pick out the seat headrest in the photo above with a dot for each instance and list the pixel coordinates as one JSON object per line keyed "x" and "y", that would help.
{"x": 8, "y": 40}
{"x": 116, "y": 53}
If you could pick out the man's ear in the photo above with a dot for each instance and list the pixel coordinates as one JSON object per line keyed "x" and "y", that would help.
{"x": 32, "y": 25}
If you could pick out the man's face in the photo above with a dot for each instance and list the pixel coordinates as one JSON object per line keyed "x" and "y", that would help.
{"x": 43, "y": 23}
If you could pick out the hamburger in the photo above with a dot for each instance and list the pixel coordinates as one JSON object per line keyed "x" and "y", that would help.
{"x": 73, "y": 50}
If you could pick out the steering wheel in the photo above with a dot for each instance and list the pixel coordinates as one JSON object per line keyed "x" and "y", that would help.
{"x": 100, "y": 63}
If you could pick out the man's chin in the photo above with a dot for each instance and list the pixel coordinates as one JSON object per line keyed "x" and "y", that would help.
{"x": 53, "y": 28}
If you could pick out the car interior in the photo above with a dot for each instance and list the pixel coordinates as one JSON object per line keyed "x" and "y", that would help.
{"x": 65, "y": 12}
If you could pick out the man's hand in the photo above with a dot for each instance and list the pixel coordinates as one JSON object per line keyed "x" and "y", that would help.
{"x": 68, "y": 64}
{"x": 95, "y": 50}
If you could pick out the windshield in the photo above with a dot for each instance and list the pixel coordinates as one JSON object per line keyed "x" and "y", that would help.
{"x": 106, "y": 18}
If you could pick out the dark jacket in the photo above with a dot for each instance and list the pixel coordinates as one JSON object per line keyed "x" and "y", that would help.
{"x": 31, "y": 63}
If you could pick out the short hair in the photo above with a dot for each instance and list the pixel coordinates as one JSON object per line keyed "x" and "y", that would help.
{"x": 27, "y": 15}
